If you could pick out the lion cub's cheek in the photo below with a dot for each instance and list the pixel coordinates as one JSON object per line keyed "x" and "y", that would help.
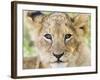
{"x": 43, "y": 44}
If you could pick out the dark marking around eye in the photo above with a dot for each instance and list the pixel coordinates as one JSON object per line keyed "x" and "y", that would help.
{"x": 67, "y": 36}
{"x": 48, "y": 36}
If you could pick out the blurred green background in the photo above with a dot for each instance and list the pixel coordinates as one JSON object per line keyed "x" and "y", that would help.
{"x": 28, "y": 45}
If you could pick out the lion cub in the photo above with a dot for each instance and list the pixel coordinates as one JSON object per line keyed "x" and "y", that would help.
{"x": 60, "y": 40}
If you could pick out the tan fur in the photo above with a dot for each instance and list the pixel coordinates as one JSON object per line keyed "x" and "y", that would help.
{"x": 76, "y": 51}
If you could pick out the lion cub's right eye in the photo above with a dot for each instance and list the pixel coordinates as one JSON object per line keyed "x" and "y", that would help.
{"x": 48, "y": 36}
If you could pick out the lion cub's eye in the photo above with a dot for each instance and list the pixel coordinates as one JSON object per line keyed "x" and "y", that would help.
{"x": 48, "y": 36}
{"x": 67, "y": 36}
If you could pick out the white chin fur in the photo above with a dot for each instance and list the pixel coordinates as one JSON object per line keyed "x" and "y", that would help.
{"x": 58, "y": 65}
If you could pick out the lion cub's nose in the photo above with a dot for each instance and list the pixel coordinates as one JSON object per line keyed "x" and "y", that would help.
{"x": 58, "y": 55}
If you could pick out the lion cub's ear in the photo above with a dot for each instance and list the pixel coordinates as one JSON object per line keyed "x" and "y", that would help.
{"x": 81, "y": 24}
{"x": 33, "y": 22}
{"x": 36, "y": 16}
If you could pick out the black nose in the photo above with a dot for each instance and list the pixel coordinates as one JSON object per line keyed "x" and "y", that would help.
{"x": 58, "y": 55}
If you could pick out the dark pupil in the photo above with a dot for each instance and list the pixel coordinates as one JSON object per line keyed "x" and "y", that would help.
{"x": 67, "y": 36}
{"x": 48, "y": 36}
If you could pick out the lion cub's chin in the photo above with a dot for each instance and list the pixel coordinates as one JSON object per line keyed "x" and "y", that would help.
{"x": 58, "y": 65}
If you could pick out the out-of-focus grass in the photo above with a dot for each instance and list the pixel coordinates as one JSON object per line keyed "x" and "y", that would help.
{"x": 28, "y": 45}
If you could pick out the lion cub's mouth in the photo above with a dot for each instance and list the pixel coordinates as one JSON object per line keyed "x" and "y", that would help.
{"x": 59, "y": 64}
{"x": 59, "y": 61}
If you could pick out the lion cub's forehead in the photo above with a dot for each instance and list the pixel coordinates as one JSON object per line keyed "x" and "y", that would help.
{"x": 57, "y": 19}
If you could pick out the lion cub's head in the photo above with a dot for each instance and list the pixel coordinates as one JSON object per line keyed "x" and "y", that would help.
{"x": 58, "y": 37}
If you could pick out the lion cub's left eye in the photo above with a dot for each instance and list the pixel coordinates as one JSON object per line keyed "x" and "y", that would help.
{"x": 48, "y": 36}
{"x": 67, "y": 36}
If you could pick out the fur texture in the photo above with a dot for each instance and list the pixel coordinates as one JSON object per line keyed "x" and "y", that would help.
{"x": 65, "y": 35}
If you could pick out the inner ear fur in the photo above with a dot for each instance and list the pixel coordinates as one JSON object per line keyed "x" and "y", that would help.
{"x": 81, "y": 18}
{"x": 81, "y": 22}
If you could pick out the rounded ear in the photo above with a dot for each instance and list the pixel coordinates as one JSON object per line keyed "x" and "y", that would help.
{"x": 33, "y": 22}
{"x": 35, "y": 16}
{"x": 81, "y": 24}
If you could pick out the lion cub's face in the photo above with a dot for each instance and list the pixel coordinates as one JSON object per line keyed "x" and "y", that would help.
{"x": 57, "y": 40}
